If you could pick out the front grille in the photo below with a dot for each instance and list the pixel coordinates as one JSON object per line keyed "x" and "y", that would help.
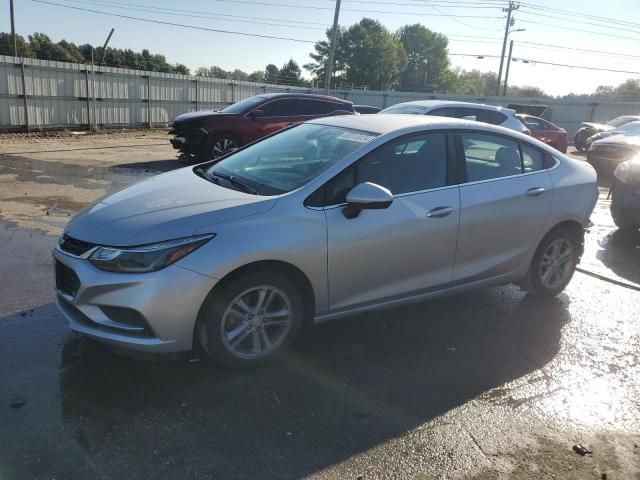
{"x": 67, "y": 281}
{"x": 73, "y": 246}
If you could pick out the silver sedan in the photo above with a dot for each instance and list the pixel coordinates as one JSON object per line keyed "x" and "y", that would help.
{"x": 322, "y": 220}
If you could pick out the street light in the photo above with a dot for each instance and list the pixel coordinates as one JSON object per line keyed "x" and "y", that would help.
{"x": 506, "y": 76}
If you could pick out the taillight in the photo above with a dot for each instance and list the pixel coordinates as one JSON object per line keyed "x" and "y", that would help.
{"x": 526, "y": 131}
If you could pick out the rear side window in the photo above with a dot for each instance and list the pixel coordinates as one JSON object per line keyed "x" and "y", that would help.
{"x": 490, "y": 156}
{"x": 534, "y": 159}
{"x": 282, "y": 108}
{"x": 490, "y": 116}
{"x": 446, "y": 112}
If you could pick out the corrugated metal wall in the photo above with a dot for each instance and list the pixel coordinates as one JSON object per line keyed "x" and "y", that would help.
{"x": 73, "y": 95}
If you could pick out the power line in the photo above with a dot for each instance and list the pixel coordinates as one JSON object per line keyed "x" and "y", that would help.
{"x": 584, "y": 50}
{"x": 180, "y": 11}
{"x": 161, "y": 22}
{"x": 583, "y": 67}
{"x": 614, "y": 27}
{"x": 564, "y": 27}
{"x": 574, "y": 14}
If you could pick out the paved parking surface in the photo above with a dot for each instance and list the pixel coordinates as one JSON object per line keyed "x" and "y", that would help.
{"x": 484, "y": 385}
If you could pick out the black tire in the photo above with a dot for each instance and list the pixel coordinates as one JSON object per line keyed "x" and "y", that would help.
{"x": 534, "y": 283}
{"x": 212, "y": 313}
{"x": 580, "y": 139}
{"x": 626, "y": 226}
{"x": 213, "y": 141}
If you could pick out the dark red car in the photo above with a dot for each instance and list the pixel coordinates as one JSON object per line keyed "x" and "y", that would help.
{"x": 207, "y": 135}
{"x": 546, "y": 132}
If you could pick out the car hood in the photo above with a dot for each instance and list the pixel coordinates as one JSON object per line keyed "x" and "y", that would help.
{"x": 168, "y": 206}
{"x": 193, "y": 115}
{"x": 620, "y": 140}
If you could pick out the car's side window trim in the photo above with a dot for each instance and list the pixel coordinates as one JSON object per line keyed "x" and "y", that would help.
{"x": 462, "y": 165}
{"x": 259, "y": 107}
{"x": 451, "y": 176}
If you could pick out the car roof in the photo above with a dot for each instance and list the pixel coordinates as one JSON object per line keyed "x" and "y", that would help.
{"x": 381, "y": 124}
{"x": 452, "y": 103}
{"x": 305, "y": 95}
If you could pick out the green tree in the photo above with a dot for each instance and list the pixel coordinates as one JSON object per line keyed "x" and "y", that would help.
{"x": 374, "y": 57}
{"x": 6, "y": 45}
{"x": 290, "y": 73}
{"x": 257, "y": 76}
{"x": 525, "y": 91}
{"x": 318, "y": 68}
{"x": 213, "y": 71}
{"x": 629, "y": 90}
{"x": 604, "y": 91}
{"x": 271, "y": 73}
{"x": 427, "y": 57}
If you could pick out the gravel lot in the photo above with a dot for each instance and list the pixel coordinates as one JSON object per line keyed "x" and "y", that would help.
{"x": 485, "y": 385}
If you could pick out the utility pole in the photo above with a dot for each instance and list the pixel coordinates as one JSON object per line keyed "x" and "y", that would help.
{"x": 506, "y": 75}
{"x": 104, "y": 47}
{"x": 13, "y": 29}
{"x": 332, "y": 49}
{"x": 512, "y": 6}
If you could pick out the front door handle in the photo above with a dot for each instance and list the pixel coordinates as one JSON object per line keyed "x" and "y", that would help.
{"x": 535, "y": 191}
{"x": 439, "y": 212}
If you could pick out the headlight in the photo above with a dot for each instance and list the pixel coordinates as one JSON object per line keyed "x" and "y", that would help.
{"x": 629, "y": 171}
{"x": 146, "y": 258}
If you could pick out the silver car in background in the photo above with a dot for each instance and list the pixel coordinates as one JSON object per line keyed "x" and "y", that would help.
{"x": 320, "y": 221}
{"x": 480, "y": 112}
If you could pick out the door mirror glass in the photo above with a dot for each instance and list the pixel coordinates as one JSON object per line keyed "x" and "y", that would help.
{"x": 257, "y": 113}
{"x": 366, "y": 196}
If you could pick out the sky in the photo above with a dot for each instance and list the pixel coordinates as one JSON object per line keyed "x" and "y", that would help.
{"x": 306, "y": 20}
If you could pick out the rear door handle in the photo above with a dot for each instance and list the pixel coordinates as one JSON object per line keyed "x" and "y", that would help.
{"x": 439, "y": 212}
{"x": 535, "y": 191}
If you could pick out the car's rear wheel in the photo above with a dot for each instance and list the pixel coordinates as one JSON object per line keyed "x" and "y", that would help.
{"x": 251, "y": 319}
{"x": 553, "y": 264}
{"x": 221, "y": 145}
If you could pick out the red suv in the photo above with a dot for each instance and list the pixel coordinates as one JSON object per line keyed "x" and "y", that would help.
{"x": 208, "y": 135}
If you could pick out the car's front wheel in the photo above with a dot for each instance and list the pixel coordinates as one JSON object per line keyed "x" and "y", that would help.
{"x": 553, "y": 264}
{"x": 251, "y": 319}
{"x": 221, "y": 145}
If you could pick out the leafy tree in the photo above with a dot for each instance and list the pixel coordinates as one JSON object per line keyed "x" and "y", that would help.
{"x": 318, "y": 68}
{"x": 290, "y": 73}
{"x": 604, "y": 91}
{"x": 468, "y": 82}
{"x": 271, "y": 73}
{"x": 213, "y": 71}
{"x": 427, "y": 57}
{"x": 629, "y": 90}
{"x": 6, "y": 45}
{"x": 526, "y": 91}
{"x": 374, "y": 57}
{"x": 257, "y": 76}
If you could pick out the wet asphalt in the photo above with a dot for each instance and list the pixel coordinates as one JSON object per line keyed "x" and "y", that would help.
{"x": 488, "y": 384}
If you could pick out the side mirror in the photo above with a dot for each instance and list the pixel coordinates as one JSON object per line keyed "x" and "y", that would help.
{"x": 365, "y": 196}
{"x": 257, "y": 113}
{"x": 469, "y": 117}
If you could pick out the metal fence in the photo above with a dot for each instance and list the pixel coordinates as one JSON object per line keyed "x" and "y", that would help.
{"x": 68, "y": 95}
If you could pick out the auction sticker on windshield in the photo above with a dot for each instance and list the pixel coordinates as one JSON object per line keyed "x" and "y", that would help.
{"x": 356, "y": 137}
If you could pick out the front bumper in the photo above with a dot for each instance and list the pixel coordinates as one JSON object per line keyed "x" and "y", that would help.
{"x": 149, "y": 312}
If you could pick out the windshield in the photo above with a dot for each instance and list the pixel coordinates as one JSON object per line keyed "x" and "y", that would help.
{"x": 405, "y": 109}
{"x": 244, "y": 105}
{"x": 288, "y": 160}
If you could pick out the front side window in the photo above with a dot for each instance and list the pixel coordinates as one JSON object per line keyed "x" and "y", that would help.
{"x": 287, "y": 160}
{"x": 281, "y": 108}
{"x": 408, "y": 165}
{"x": 490, "y": 156}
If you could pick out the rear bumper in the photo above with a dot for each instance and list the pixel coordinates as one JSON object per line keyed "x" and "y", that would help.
{"x": 149, "y": 312}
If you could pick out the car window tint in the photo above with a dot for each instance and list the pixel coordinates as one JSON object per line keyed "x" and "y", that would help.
{"x": 490, "y": 116}
{"x": 408, "y": 165}
{"x": 313, "y": 107}
{"x": 532, "y": 158}
{"x": 532, "y": 123}
{"x": 282, "y": 108}
{"x": 490, "y": 156}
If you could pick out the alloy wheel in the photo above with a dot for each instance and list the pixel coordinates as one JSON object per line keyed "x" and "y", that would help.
{"x": 223, "y": 146}
{"x": 256, "y": 322}
{"x": 556, "y": 264}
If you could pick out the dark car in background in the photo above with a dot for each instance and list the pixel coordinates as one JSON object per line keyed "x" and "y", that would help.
{"x": 366, "y": 109}
{"x": 545, "y": 131}
{"x": 606, "y": 154}
{"x": 630, "y": 129}
{"x": 625, "y": 195}
{"x": 591, "y": 128}
{"x": 207, "y": 135}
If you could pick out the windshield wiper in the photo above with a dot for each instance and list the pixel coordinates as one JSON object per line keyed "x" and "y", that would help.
{"x": 232, "y": 180}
